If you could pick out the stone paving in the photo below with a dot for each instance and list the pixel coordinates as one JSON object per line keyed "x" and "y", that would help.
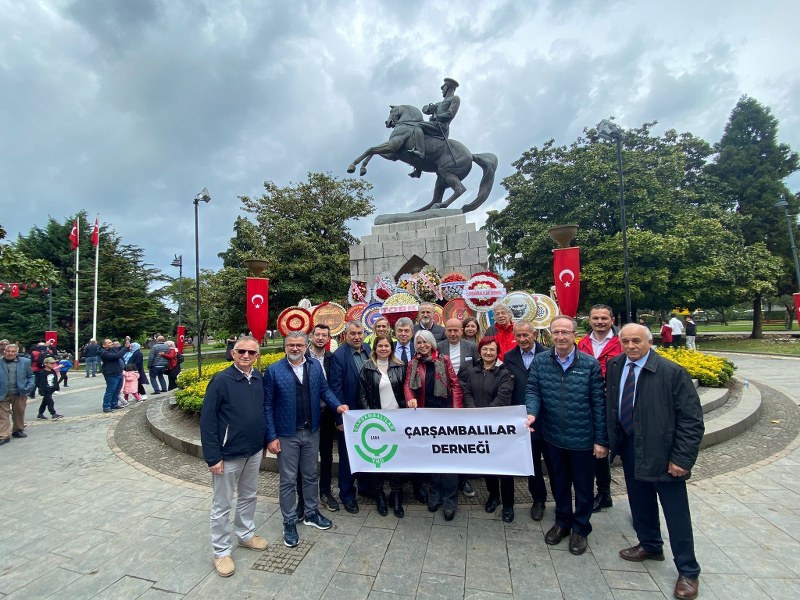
{"x": 94, "y": 508}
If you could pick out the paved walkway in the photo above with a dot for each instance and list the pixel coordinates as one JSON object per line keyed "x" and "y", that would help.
{"x": 82, "y": 519}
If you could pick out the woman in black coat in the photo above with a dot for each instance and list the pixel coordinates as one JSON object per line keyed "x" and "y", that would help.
{"x": 136, "y": 358}
{"x": 489, "y": 384}
{"x": 381, "y": 384}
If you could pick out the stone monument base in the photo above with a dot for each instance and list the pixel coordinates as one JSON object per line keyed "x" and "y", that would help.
{"x": 448, "y": 243}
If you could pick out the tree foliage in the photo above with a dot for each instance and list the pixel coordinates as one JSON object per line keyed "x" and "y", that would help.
{"x": 302, "y": 231}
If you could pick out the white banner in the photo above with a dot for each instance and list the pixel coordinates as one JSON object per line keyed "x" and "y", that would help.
{"x": 492, "y": 441}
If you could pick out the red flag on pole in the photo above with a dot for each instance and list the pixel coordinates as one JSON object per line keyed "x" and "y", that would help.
{"x": 96, "y": 233}
{"x": 52, "y": 337}
{"x": 73, "y": 235}
{"x": 257, "y": 306}
{"x": 567, "y": 275}
{"x": 797, "y": 307}
{"x": 181, "y": 338}
{"x": 15, "y": 290}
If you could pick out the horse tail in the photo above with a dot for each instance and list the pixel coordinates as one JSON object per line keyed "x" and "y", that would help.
{"x": 488, "y": 162}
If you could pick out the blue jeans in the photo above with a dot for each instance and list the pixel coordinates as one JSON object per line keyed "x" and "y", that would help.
{"x": 156, "y": 378}
{"x": 113, "y": 385}
{"x": 92, "y": 361}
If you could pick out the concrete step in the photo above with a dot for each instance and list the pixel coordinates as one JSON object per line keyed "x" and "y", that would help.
{"x": 727, "y": 421}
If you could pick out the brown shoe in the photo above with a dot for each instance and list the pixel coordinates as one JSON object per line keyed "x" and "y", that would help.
{"x": 686, "y": 588}
{"x": 255, "y": 543}
{"x": 555, "y": 535}
{"x": 639, "y": 554}
{"x": 224, "y": 566}
{"x": 577, "y": 544}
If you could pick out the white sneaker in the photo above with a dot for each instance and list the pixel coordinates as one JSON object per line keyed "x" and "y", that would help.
{"x": 143, "y": 396}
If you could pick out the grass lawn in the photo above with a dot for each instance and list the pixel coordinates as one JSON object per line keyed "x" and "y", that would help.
{"x": 788, "y": 346}
{"x": 738, "y": 326}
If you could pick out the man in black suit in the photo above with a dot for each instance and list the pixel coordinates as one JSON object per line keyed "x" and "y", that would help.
{"x": 345, "y": 367}
{"x": 519, "y": 360}
{"x": 318, "y": 350}
{"x": 425, "y": 321}
{"x": 655, "y": 424}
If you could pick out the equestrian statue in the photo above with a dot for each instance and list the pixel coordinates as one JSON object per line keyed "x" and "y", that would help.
{"x": 426, "y": 146}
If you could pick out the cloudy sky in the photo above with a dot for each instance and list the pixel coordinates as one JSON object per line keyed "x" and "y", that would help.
{"x": 128, "y": 108}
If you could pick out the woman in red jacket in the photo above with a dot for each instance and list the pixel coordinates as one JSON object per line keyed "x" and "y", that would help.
{"x": 431, "y": 382}
{"x": 503, "y": 329}
{"x": 666, "y": 334}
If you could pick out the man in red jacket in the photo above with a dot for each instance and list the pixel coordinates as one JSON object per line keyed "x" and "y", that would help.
{"x": 603, "y": 344}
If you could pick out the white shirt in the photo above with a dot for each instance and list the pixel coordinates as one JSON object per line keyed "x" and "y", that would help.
{"x": 676, "y": 326}
{"x": 455, "y": 356}
{"x": 298, "y": 369}
{"x": 597, "y": 346}
{"x": 320, "y": 360}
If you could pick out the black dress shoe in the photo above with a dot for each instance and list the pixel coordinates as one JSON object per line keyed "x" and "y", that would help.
{"x": 4, "y": 441}
{"x": 638, "y": 554}
{"x": 433, "y": 506}
{"x": 537, "y": 511}
{"x": 577, "y": 544}
{"x": 556, "y": 534}
{"x": 351, "y": 506}
{"x": 421, "y": 495}
{"x": 19, "y": 434}
{"x": 508, "y": 514}
{"x": 449, "y": 515}
{"x": 491, "y": 504}
{"x": 396, "y": 498}
{"x": 602, "y": 501}
{"x": 380, "y": 502}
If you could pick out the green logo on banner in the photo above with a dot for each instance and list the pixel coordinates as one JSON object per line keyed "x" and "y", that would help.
{"x": 373, "y": 448}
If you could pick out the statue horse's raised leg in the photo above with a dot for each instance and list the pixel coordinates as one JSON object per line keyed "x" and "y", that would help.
{"x": 390, "y": 147}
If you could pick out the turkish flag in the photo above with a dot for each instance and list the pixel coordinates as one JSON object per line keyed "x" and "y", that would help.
{"x": 567, "y": 275}
{"x": 15, "y": 290}
{"x": 181, "y": 338}
{"x": 52, "y": 337}
{"x": 257, "y": 306}
{"x": 96, "y": 233}
{"x": 73, "y": 235}
{"x": 797, "y": 307}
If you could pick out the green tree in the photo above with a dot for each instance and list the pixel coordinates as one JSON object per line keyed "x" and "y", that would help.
{"x": 302, "y": 231}
{"x": 751, "y": 166}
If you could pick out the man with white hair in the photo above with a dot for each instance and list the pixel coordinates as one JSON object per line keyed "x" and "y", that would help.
{"x": 16, "y": 382}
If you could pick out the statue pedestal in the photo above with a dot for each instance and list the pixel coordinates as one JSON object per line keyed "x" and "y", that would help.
{"x": 447, "y": 243}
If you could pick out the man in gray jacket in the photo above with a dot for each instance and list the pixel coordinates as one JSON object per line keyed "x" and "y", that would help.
{"x": 16, "y": 382}
{"x": 158, "y": 365}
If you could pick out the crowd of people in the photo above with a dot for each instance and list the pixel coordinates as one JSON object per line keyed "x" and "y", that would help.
{"x": 608, "y": 395}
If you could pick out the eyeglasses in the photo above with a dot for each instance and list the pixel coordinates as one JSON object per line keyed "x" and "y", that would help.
{"x": 295, "y": 345}
{"x": 559, "y": 332}
{"x": 242, "y": 351}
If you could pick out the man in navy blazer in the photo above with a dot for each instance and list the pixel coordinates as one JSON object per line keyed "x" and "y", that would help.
{"x": 293, "y": 390}
{"x": 518, "y": 360}
{"x": 346, "y": 366}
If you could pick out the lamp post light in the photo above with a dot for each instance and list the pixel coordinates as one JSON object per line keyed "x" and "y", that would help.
{"x": 203, "y": 196}
{"x": 782, "y": 203}
{"x": 611, "y": 132}
{"x": 178, "y": 262}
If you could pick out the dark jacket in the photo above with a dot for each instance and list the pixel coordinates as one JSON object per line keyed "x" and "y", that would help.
{"x": 437, "y": 331}
{"x": 91, "y": 351}
{"x": 232, "y": 417}
{"x": 569, "y": 406}
{"x": 48, "y": 382}
{"x": 514, "y": 363}
{"x": 137, "y": 358}
{"x": 111, "y": 359}
{"x": 343, "y": 377}
{"x": 487, "y": 387}
{"x": 667, "y": 417}
{"x": 326, "y": 361}
{"x": 26, "y": 381}
{"x": 280, "y": 398}
{"x": 155, "y": 360}
{"x": 370, "y": 380}
{"x": 455, "y": 395}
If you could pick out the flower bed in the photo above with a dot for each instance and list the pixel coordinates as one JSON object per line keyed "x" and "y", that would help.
{"x": 711, "y": 371}
{"x": 192, "y": 389}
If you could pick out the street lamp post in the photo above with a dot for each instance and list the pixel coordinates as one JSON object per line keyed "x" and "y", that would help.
{"x": 203, "y": 196}
{"x": 611, "y": 132}
{"x": 782, "y": 203}
{"x": 178, "y": 262}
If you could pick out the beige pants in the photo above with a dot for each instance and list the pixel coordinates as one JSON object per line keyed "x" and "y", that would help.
{"x": 12, "y": 409}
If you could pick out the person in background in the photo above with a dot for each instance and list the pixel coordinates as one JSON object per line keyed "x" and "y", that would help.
{"x": 130, "y": 383}
{"x": 64, "y": 365}
{"x": 425, "y": 322}
{"x": 111, "y": 368}
{"x": 135, "y": 357}
{"x": 503, "y": 329}
{"x": 16, "y": 380}
{"x": 691, "y": 333}
{"x": 472, "y": 330}
{"x": 48, "y": 385}
{"x": 666, "y": 334}
{"x": 91, "y": 356}
{"x": 174, "y": 367}
{"x": 381, "y": 383}
{"x": 677, "y": 331}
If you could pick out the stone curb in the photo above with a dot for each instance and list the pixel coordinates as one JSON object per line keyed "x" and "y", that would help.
{"x": 736, "y": 421}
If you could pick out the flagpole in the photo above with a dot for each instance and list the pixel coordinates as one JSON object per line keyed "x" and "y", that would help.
{"x": 77, "y": 254}
{"x": 96, "y": 269}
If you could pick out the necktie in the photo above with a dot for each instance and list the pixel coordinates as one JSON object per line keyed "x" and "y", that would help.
{"x": 405, "y": 355}
{"x": 626, "y": 403}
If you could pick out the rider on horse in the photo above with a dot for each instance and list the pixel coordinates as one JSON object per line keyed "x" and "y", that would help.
{"x": 439, "y": 124}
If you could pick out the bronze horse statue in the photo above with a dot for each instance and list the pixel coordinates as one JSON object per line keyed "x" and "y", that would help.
{"x": 449, "y": 159}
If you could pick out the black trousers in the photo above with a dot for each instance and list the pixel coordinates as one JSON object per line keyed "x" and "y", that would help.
{"x": 602, "y": 473}
{"x": 572, "y": 470}
{"x": 501, "y": 486}
{"x": 47, "y": 403}
{"x": 674, "y": 500}
{"x": 536, "y": 484}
